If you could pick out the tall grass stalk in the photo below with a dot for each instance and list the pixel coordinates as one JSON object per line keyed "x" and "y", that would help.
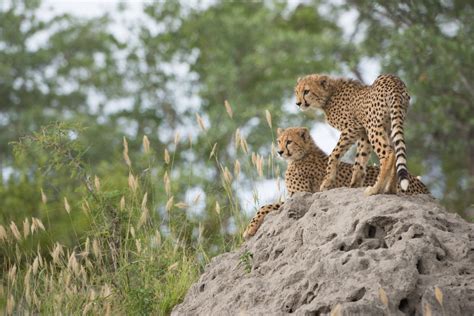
{"x": 140, "y": 249}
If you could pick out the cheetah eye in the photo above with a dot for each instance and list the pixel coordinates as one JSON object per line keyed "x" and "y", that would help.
{"x": 288, "y": 142}
{"x": 305, "y": 92}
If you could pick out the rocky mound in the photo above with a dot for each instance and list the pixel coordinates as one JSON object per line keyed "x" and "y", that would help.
{"x": 343, "y": 253}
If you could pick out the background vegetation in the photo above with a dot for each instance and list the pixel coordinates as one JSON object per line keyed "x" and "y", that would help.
{"x": 122, "y": 162}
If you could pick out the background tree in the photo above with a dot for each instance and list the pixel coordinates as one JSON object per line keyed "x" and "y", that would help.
{"x": 41, "y": 81}
{"x": 67, "y": 77}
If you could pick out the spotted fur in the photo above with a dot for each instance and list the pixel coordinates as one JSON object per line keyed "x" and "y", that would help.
{"x": 371, "y": 115}
{"x": 307, "y": 168}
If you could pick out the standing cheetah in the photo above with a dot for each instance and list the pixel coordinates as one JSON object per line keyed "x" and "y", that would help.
{"x": 307, "y": 168}
{"x": 366, "y": 114}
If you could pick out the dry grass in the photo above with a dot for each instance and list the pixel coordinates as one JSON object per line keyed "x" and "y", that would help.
{"x": 134, "y": 259}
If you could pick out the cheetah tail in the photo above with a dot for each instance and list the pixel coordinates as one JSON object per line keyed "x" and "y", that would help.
{"x": 397, "y": 115}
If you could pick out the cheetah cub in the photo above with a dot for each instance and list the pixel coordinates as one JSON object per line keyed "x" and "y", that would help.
{"x": 366, "y": 114}
{"x": 307, "y": 168}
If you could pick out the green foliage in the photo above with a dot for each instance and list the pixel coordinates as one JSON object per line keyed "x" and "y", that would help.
{"x": 44, "y": 81}
{"x": 130, "y": 253}
{"x": 246, "y": 260}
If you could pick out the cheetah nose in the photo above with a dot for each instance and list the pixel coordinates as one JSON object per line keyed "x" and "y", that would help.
{"x": 280, "y": 152}
{"x": 298, "y": 103}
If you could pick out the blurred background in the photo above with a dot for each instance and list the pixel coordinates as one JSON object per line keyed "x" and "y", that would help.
{"x": 181, "y": 99}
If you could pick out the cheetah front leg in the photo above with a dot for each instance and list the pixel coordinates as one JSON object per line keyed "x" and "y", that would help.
{"x": 362, "y": 157}
{"x": 257, "y": 220}
{"x": 346, "y": 139}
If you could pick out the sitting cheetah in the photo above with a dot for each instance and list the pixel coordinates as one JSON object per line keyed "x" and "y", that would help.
{"x": 306, "y": 170}
{"x": 366, "y": 114}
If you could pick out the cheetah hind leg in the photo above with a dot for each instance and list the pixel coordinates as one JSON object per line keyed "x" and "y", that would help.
{"x": 391, "y": 184}
{"x": 362, "y": 157}
{"x": 386, "y": 166}
{"x": 358, "y": 176}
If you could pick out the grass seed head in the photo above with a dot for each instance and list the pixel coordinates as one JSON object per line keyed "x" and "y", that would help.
{"x": 244, "y": 146}
{"x": 3, "y": 233}
{"x": 15, "y": 232}
{"x": 218, "y": 208}
{"x": 144, "y": 200}
{"x": 254, "y": 158}
{"x": 237, "y": 137}
{"x": 97, "y": 183}
{"x": 87, "y": 245}
{"x": 106, "y": 291}
{"x": 85, "y": 207}
{"x": 138, "y": 245}
{"x": 87, "y": 308}
{"x": 169, "y": 203}
{"x": 173, "y": 266}
{"x": 27, "y": 279}
{"x": 383, "y": 297}
{"x": 125, "y": 153}
{"x": 167, "y": 157}
{"x": 167, "y": 182}
{"x": 96, "y": 248}
{"x": 12, "y": 274}
{"x": 57, "y": 253}
{"x": 228, "y": 108}
{"x": 269, "y": 118}
{"x": 35, "y": 266}
{"x": 44, "y": 199}
{"x": 177, "y": 138}
{"x": 181, "y": 205}
{"x": 122, "y": 203}
{"x": 26, "y": 228}
{"x": 227, "y": 176}
{"x": 10, "y": 304}
{"x": 67, "y": 207}
{"x": 132, "y": 182}
{"x": 35, "y": 224}
{"x": 438, "y": 295}
{"x": 200, "y": 122}
{"x": 236, "y": 168}
{"x": 197, "y": 198}
{"x": 144, "y": 216}
{"x": 213, "y": 151}
{"x": 259, "y": 165}
{"x": 146, "y": 145}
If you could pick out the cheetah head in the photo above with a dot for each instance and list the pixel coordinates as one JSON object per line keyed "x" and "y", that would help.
{"x": 312, "y": 91}
{"x": 293, "y": 142}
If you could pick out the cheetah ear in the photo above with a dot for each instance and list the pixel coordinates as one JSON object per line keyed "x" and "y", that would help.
{"x": 299, "y": 79}
{"x": 324, "y": 83}
{"x": 303, "y": 133}
{"x": 279, "y": 131}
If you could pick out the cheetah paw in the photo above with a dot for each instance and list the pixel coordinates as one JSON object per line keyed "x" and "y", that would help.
{"x": 326, "y": 185}
{"x": 357, "y": 180}
{"x": 356, "y": 183}
{"x": 249, "y": 233}
{"x": 371, "y": 191}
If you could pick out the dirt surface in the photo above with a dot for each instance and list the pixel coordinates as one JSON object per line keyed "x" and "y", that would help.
{"x": 343, "y": 252}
